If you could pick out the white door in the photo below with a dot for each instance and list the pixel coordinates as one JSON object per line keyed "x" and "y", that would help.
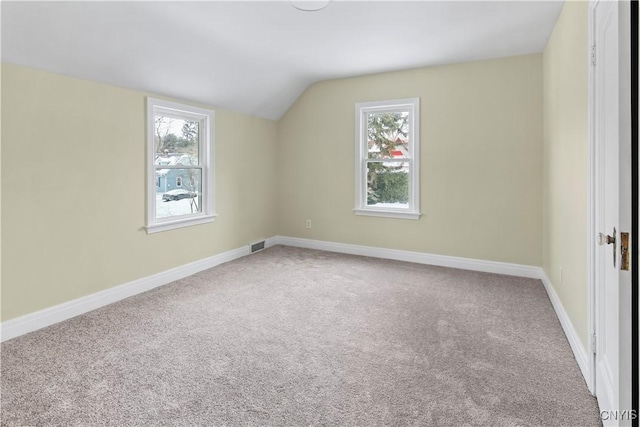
{"x": 612, "y": 212}
{"x": 606, "y": 203}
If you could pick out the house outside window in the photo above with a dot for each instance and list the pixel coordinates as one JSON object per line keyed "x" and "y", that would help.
{"x": 387, "y": 158}
{"x": 180, "y": 165}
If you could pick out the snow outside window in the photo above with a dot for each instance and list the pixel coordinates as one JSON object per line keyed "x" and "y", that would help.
{"x": 180, "y": 165}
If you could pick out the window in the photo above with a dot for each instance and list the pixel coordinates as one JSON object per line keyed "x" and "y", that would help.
{"x": 179, "y": 150}
{"x": 387, "y": 158}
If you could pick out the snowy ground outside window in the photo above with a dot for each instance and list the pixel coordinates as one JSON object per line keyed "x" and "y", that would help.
{"x": 174, "y": 207}
{"x": 397, "y": 205}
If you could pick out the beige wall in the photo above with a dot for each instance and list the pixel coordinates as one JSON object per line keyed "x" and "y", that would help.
{"x": 73, "y": 174}
{"x": 565, "y": 66}
{"x": 73, "y": 190}
{"x": 481, "y": 161}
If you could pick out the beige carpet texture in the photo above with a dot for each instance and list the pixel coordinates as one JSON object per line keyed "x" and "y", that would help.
{"x": 297, "y": 337}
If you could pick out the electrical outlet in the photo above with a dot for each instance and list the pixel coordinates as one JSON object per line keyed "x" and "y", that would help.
{"x": 308, "y": 225}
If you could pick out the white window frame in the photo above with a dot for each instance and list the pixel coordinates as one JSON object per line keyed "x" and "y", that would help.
{"x": 412, "y": 105}
{"x": 205, "y": 153}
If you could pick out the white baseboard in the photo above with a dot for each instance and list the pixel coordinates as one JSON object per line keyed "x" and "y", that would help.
{"x": 40, "y": 319}
{"x": 417, "y": 257}
{"x": 579, "y": 351}
{"x": 31, "y": 322}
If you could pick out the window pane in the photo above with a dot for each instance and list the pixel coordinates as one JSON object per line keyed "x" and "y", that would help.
{"x": 174, "y": 200}
{"x": 175, "y": 141}
{"x": 388, "y": 184}
{"x": 387, "y": 135}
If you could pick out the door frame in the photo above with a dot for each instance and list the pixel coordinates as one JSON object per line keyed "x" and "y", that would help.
{"x": 591, "y": 203}
{"x": 635, "y": 201}
{"x": 624, "y": 370}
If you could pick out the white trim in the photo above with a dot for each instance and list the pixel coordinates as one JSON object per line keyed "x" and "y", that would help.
{"x": 606, "y": 391}
{"x": 579, "y": 351}
{"x": 206, "y": 164}
{"x": 591, "y": 206}
{"x": 179, "y": 223}
{"x": 417, "y": 257}
{"x": 387, "y": 213}
{"x": 31, "y": 322}
{"x": 412, "y": 105}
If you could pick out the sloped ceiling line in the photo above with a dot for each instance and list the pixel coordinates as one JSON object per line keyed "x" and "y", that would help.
{"x": 258, "y": 57}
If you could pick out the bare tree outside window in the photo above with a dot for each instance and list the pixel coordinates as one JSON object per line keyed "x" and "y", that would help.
{"x": 177, "y": 146}
{"x": 180, "y": 159}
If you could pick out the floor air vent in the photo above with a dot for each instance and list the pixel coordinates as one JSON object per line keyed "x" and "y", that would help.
{"x": 255, "y": 247}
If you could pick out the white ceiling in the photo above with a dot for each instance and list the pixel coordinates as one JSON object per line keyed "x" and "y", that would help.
{"x": 258, "y": 57}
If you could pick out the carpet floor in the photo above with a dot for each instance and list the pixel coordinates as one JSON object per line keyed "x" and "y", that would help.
{"x": 299, "y": 337}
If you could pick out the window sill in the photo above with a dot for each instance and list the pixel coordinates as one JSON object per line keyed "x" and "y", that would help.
{"x": 179, "y": 223}
{"x": 388, "y": 214}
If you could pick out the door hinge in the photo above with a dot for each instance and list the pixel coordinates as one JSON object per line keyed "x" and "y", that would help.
{"x": 593, "y": 343}
{"x": 593, "y": 55}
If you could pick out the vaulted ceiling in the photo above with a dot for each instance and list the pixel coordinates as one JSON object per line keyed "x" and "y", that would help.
{"x": 258, "y": 57}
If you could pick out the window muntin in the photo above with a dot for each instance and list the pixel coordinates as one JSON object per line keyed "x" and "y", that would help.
{"x": 180, "y": 151}
{"x": 387, "y": 158}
